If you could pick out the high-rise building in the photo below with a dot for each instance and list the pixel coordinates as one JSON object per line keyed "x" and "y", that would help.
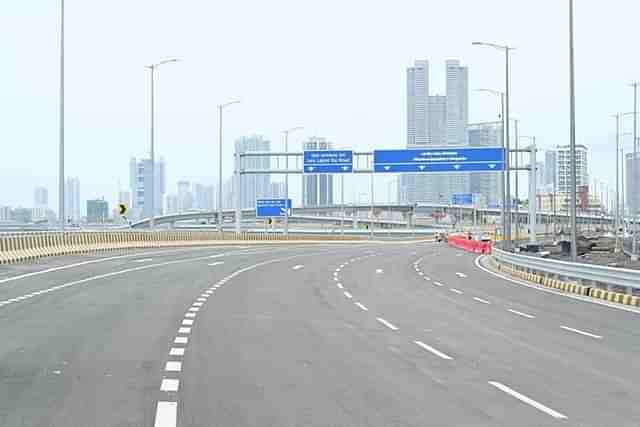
{"x": 632, "y": 186}
{"x": 317, "y": 189}
{"x": 140, "y": 185}
{"x": 435, "y": 121}
{"x": 5, "y": 213}
{"x": 563, "y": 168}
{"x": 97, "y": 211}
{"x": 172, "y": 204}
{"x": 254, "y": 186}
{"x": 185, "y": 198}
{"x": 23, "y": 215}
{"x": 550, "y": 170}
{"x": 488, "y": 185}
{"x": 203, "y": 196}
{"x": 124, "y": 197}
{"x": 72, "y": 200}
{"x": 457, "y": 102}
{"x": 541, "y": 172}
{"x": 277, "y": 190}
{"x": 40, "y": 197}
{"x": 417, "y": 103}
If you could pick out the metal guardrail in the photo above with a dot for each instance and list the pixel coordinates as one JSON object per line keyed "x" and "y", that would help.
{"x": 583, "y": 273}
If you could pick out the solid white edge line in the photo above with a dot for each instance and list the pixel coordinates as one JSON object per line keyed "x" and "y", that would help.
{"x": 362, "y": 307}
{"x": 433, "y": 350}
{"x": 527, "y": 400}
{"x": 578, "y": 331}
{"x": 484, "y": 301}
{"x": 387, "y": 324}
{"x": 551, "y": 291}
{"x": 166, "y": 414}
{"x": 519, "y": 313}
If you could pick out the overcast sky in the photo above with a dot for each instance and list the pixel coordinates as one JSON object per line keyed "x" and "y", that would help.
{"x": 336, "y": 67}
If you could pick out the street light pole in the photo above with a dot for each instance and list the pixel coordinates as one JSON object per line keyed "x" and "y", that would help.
{"x": 286, "y": 176}
{"x": 506, "y": 50}
{"x": 572, "y": 139}
{"x": 516, "y": 176}
{"x": 152, "y": 68}
{"x": 634, "y": 189}
{"x": 61, "y": 206}
{"x": 220, "y": 108}
{"x": 617, "y": 207}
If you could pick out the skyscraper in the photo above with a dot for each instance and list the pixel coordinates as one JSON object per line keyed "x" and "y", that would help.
{"x": 254, "y": 186}
{"x": 317, "y": 189}
{"x": 72, "y": 200}
{"x": 417, "y": 103}
{"x": 97, "y": 211}
{"x": 489, "y": 185}
{"x": 435, "y": 121}
{"x": 185, "y": 198}
{"x": 563, "y": 168}
{"x": 40, "y": 197}
{"x": 140, "y": 184}
{"x": 550, "y": 160}
{"x": 203, "y": 196}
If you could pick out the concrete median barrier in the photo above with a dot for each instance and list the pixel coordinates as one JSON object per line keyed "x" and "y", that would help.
{"x": 30, "y": 246}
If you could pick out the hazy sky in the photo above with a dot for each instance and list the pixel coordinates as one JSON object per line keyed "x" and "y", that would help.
{"x": 335, "y": 67}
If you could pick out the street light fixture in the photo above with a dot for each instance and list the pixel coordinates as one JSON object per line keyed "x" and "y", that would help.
{"x": 152, "y": 69}
{"x": 220, "y": 108}
{"x": 286, "y": 176}
{"x": 506, "y": 49}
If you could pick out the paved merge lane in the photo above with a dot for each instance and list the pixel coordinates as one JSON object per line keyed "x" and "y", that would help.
{"x": 308, "y": 335}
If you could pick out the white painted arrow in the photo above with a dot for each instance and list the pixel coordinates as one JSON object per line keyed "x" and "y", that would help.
{"x": 422, "y": 167}
{"x": 492, "y": 166}
{"x": 344, "y": 168}
{"x": 310, "y": 168}
{"x": 456, "y": 166}
{"x": 387, "y": 168}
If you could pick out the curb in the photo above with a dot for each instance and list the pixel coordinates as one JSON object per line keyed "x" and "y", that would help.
{"x": 568, "y": 287}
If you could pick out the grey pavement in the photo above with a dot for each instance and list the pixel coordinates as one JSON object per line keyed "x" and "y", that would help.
{"x": 319, "y": 335}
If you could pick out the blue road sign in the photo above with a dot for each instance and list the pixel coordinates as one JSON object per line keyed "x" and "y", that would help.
{"x": 481, "y": 159}
{"x": 328, "y": 161}
{"x": 462, "y": 199}
{"x": 272, "y": 207}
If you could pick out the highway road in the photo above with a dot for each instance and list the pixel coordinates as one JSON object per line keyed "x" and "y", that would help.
{"x": 368, "y": 334}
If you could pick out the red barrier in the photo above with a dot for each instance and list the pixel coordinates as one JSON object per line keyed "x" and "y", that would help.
{"x": 474, "y": 246}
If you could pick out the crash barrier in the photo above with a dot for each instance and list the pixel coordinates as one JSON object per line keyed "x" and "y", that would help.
{"x": 475, "y": 246}
{"x": 617, "y": 285}
{"x": 29, "y": 246}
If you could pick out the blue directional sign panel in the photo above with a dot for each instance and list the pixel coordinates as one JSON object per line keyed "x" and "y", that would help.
{"x": 482, "y": 159}
{"x": 328, "y": 161}
{"x": 272, "y": 207}
{"x": 462, "y": 199}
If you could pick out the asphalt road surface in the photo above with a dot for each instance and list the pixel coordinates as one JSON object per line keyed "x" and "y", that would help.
{"x": 388, "y": 334}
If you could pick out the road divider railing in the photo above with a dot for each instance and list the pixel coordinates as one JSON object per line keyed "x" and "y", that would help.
{"x": 28, "y": 246}
{"x": 475, "y": 246}
{"x": 617, "y": 285}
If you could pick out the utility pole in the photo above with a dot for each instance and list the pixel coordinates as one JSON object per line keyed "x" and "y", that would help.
{"x": 572, "y": 140}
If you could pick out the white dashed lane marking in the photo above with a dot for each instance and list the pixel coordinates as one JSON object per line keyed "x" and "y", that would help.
{"x": 527, "y": 400}
{"x": 143, "y": 260}
{"x": 387, "y": 324}
{"x": 169, "y": 384}
{"x": 379, "y": 271}
{"x": 433, "y": 350}
{"x": 457, "y": 291}
{"x": 578, "y": 331}
{"x": 484, "y": 301}
{"x": 519, "y": 313}
{"x": 339, "y": 285}
{"x": 462, "y": 275}
{"x": 184, "y": 330}
{"x": 166, "y": 414}
{"x": 438, "y": 284}
{"x": 181, "y": 340}
{"x": 173, "y": 366}
{"x": 187, "y": 322}
{"x": 176, "y": 351}
{"x": 213, "y": 264}
{"x": 362, "y": 307}
{"x": 298, "y": 267}
{"x": 347, "y": 294}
